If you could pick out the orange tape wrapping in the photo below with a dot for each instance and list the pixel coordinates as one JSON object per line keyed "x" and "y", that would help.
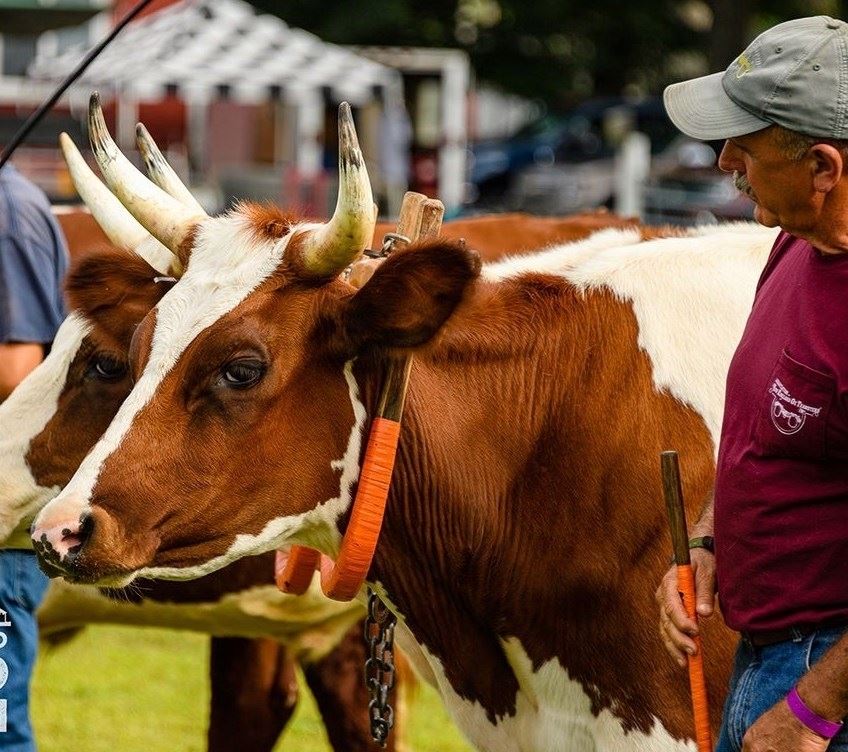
{"x": 293, "y": 569}
{"x": 697, "y": 683}
{"x": 342, "y": 580}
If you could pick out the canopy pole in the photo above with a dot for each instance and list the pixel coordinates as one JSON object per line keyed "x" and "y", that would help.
{"x": 36, "y": 116}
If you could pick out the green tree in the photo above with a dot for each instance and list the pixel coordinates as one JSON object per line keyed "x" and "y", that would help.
{"x": 557, "y": 50}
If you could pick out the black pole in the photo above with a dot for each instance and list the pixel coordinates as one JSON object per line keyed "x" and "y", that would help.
{"x": 84, "y": 63}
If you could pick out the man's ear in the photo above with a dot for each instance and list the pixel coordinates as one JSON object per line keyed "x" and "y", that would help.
{"x": 409, "y": 297}
{"x": 828, "y": 167}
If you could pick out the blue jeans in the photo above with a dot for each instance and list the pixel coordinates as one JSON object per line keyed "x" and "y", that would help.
{"x": 22, "y": 586}
{"x": 762, "y": 676}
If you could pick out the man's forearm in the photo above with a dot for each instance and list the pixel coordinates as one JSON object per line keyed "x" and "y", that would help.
{"x": 16, "y": 361}
{"x": 824, "y": 689}
{"x": 704, "y": 525}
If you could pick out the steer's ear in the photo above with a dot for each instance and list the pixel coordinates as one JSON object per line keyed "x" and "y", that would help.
{"x": 115, "y": 288}
{"x": 408, "y": 298}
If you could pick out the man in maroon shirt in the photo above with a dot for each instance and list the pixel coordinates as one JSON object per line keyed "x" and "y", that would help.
{"x": 779, "y": 515}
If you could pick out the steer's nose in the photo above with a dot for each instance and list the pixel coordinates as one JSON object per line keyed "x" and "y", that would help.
{"x": 58, "y": 538}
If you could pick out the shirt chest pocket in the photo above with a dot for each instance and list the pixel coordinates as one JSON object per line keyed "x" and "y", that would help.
{"x": 795, "y": 410}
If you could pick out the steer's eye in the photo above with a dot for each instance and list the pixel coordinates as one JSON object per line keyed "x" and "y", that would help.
{"x": 242, "y": 374}
{"x": 106, "y": 368}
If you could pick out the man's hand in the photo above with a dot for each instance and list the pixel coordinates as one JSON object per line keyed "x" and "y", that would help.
{"x": 778, "y": 730}
{"x": 676, "y": 628}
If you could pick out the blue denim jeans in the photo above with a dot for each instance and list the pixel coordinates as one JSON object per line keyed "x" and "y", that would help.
{"x": 22, "y": 586}
{"x": 762, "y": 676}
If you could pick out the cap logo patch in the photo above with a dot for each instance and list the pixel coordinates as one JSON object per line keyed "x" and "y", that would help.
{"x": 743, "y": 66}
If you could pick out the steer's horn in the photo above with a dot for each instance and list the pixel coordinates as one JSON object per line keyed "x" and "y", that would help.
{"x": 328, "y": 250}
{"x": 162, "y": 215}
{"x": 161, "y": 172}
{"x": 118, "y": 224}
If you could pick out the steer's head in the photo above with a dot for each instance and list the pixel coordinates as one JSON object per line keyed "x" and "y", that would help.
{"x": 61, "y": 409}
{"x": 244, "y": 429}
{"x": 111, "y": 291}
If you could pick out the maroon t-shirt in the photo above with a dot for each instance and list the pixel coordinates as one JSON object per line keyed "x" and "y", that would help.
{"x": 781, "y": 497}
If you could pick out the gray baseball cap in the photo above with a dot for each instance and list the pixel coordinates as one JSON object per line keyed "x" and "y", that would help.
{"x": 794, "y": 75}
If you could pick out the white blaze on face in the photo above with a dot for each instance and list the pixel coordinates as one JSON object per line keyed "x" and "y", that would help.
{"x": 227, "y": 263}
{"x": 23, "y": 416}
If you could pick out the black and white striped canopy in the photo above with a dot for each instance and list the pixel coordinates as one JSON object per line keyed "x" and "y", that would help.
{"x": 207, "y": 49}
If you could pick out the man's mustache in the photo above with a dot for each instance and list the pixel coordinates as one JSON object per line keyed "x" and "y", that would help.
{"x": 743, "y": 186}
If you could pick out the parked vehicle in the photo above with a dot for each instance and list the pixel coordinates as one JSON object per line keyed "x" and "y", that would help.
{"x": 580, "y": 174}
{"x": 493, "y": 163}
{"x": 686, "y": 187}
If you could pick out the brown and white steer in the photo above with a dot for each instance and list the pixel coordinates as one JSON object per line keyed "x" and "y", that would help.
{"x": 252, "y": 690}
{"x": 112, "y": 291}
{"x": 525, "y": 530}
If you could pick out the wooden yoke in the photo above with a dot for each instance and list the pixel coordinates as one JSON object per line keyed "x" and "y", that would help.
{"x": 407, "y": 231}
{"x": 409, "y": 220}
{"x": 420, "y": 218}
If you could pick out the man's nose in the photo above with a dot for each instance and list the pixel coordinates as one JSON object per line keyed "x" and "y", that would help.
{"x": 730, "y": 158}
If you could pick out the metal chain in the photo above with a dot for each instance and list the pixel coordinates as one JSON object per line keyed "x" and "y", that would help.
{"x": 380, "y": 622}
{"x": 389, "y": 240}
{"x": 380, "y": 666}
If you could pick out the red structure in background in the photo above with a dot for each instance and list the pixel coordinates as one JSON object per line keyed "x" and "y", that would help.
{"x": 165, "y": 119}
{"x": 122, "y": 7}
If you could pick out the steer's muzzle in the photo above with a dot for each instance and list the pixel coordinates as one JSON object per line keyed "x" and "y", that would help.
{"x": 85, "y": 544}
{"x": 58, "y": 547}
{"x": 59, "y": 533}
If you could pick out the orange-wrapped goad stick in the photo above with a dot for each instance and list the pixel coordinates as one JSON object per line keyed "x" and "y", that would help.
{"x": 686, "y": 585}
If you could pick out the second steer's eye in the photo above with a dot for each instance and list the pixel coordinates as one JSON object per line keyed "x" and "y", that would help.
{"x": 242, "y": 374}
{"x": 107, "y": 368}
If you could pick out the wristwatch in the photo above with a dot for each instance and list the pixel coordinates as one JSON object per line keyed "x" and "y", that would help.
{"x": 703, "y": 541}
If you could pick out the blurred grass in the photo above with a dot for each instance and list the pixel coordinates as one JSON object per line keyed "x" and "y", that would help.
{"x": 118, "y": 689}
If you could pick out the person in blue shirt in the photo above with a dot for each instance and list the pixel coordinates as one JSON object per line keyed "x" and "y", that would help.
{"x": 33, "y": 261}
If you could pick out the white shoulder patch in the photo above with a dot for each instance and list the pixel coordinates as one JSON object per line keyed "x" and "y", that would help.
{"x": 691, "y": 296}
{"x": 557, "y": 258}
